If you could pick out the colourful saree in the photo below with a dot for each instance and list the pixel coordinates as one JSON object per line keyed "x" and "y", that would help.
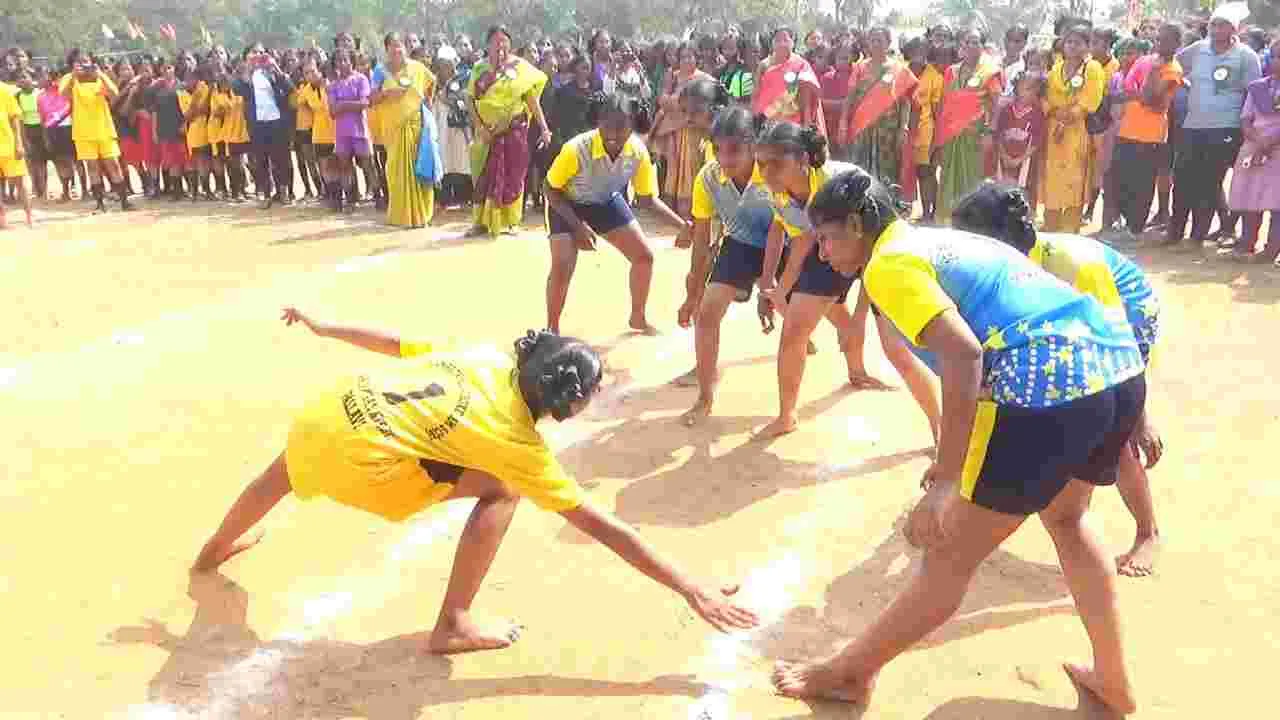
{"x": 1064, "y": 182}
{"x": 778, "y": 93}
{"x": 410, "y": 202}
{"x": 500, "y": 163}
{"x": 880, "y": 110}
{"x": 966, "y": 101}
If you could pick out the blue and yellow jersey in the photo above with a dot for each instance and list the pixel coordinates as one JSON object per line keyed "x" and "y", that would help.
{"x": 587, "y": 175}
{"x": 1112, "y": 279}
{"x": 1044, "y": 343}
{"x": 746, "y": 214}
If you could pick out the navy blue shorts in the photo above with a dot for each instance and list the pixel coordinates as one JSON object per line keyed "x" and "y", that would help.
{"x": 1021, "y": 458}
{"x": 603, "y": 218}
{"x": 821, "y": 280}
{"x": 739, "y": 265}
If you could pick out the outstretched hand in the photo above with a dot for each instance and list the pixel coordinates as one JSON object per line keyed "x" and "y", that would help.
{"x": 721, "y": 613}
{"x": 292, "y": 315}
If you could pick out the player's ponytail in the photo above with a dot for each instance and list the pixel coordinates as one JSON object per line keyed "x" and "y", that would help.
{"x": 998, "y": 211}
{"x": 555, "y": 372}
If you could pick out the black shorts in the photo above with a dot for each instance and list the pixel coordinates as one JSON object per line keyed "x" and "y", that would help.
{"x": 739, "y": 265}
{"x": 204, "y": 152}
{"x": 441, "y": 472}
{"x": 302, "y": 138}
{"x": 1020, "y": 459}
{"x": 33, "y": 143}
{"x": 1164, "y": 159}
{"x": 821, "y": 280}
{"x": 323, "y": 150}
{"x": 604, "y": 218}
{"x": 60, "y": 144}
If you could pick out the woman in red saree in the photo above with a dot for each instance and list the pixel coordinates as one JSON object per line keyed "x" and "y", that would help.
{"x": 787, "y": 88}
{"x": 834, "y": 80}
{"x": 877, "y": 116}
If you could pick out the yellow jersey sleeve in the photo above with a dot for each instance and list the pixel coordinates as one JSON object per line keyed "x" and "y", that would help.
{"x": 905, "y": 288}
{"x": 536, "y": 474}
{"x": 704, "y": 208}
{"x": 645, "y": 181}
{"x": 414, "y": 348}
{"x": 564, "y": 168}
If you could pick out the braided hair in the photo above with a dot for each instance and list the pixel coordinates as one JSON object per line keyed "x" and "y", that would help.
{"x": 794, "y": 138}
{"x": 600, "y": 104}
{"x": 998, "y": 211}
{"x": 554, "y": 372}
{"x": 738, "y": 123}
{"x": 855, "y": 192}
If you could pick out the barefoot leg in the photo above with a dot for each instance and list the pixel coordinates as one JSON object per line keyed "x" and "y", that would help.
{"x": 803, "y": 313}
{"x": 851, "y": 331}
{"x": 933, "y": 595}
{"x": 1135, "y": 490}
{"x": 706, "y": 335}
{"x": 254, "y": 502}
{"x": 631, "y": 242}
{"x": 564, "y": 258}
{"x": 1091, "y": 575}
{"x": 456, "y": 631}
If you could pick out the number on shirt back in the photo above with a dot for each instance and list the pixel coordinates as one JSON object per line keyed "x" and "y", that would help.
{"x": 430, "y": 391}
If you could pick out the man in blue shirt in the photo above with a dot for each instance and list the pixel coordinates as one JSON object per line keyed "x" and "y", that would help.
{"x": 1219, "y": 68}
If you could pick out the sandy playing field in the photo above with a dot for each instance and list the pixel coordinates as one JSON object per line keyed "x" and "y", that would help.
{"x": 145, "y": 379}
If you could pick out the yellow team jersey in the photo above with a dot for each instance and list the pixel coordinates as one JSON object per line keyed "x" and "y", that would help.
{"x": 303, "y": 109}
{"x": 90, "y": 110}
{"x": 197, "y": 112}
{"x": 363, "y": 443}
{"x": 235, "y": 129}
{"x": 323, "y": 129}
{"x": 9, "y": 109}
{"x": 218, "y": 104}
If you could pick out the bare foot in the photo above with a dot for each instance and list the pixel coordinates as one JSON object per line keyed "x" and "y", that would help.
{"x": 1118, "y": 699}
{"x": 697, "y": 413}
{"x": 212, "y": 557}
{"x": 1140, "y": 561}
{"x": 821, "y": 681}
{"x": 463, "y": 635}
{"x": 861, "y": 380}
{"x": 779, "y": 427}
{"x": 689, "y": 379}
{"x": 643, "y": 327}
{"x": 811, "y": 349}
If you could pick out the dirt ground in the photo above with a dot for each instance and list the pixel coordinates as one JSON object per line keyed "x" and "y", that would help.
{"x": 146, "y": 378}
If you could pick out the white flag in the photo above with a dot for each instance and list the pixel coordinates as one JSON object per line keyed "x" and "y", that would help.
{"x": 106, "y": 32}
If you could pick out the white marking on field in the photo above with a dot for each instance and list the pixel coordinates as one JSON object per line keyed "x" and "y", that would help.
{"x": 769, "y": 591}
{"x": 362, "y": 263}
{"x": 679, "y": 340}
{"x": 859, "y": 430}
{"x": 127, "y": 338}
{"x": 8, "y": 376}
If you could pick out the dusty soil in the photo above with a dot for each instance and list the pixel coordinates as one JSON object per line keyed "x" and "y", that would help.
{"x": 145, "y": 379}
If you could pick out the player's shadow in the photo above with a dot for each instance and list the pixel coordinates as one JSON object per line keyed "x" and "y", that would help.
{"x": 855, "y": 599}
{"x": 971, "y": 708}
{"x": 221, "y": 668}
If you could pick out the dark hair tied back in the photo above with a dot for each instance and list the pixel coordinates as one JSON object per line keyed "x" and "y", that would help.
{"x": 554, "y": 372}
{"x": 855, "y": 192}
{"x": 998, "y": 211}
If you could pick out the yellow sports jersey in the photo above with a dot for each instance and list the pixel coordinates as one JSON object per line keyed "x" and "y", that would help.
{"x": 218, "y": 104}
{"x": 586, "y": 173}
{"x": 323, "y": 129}
{"x": 8, "y": 111}
{"x": 363, "y": 441}
{"x": 198, "y": 116}
{"x": 235, "y": 129}
{"x": 793, "y": 216}
{"x": 90, "y": 110}
{"x": 303, "y": 121}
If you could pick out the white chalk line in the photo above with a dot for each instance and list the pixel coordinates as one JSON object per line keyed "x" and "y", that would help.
{"x": 255, "y": 679}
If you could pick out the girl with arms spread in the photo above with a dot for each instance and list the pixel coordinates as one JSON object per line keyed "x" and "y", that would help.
{"x": 449, "y": 424}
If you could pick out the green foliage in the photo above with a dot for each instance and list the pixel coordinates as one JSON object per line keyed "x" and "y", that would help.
{"x": 50, "y": 28}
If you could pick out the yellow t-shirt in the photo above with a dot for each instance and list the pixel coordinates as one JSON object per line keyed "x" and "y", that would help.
{"x": 198, "y": 120}
{"x": 304, "y": 110}
{"x": 235, "y": 130}
{"x": 457, "y": 406}
{"x": 323, "y": 129}
{"x": 586, "y": 173}
{"x": 90, "y": 110}
{"x": 218, "y": 104}
{"x": 9, "y": 109}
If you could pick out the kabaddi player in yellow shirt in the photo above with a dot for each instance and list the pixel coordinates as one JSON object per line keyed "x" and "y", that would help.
{"x": 13, "y": 164}
{"x": 94, "y": 132}
{"x": 452, "y": 423}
